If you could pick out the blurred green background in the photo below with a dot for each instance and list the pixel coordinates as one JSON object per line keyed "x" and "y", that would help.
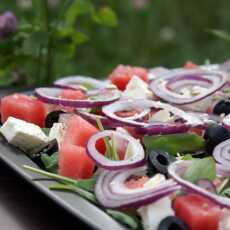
{"x": 149, "y": 33}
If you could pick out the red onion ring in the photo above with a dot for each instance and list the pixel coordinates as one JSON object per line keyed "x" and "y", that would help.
{"x": 222, "y": 170}
{"x": 178, "y": 83}
{"x": 74, "y": 82}
{"x": 157, "y": 72}
{"x": 92, "y": 118}
{"x": 160, "y": 86}
{"x": 111, "y": 191}
{"x": 137, "y": 159}
{"x": 159, "y": 129}
{"x": 226, "y": 122}
{"x": 176, "y": 171}
{"x": 50, "y": 96}
{"x": 151, "y": 128}
{"x": 221, "y": 153}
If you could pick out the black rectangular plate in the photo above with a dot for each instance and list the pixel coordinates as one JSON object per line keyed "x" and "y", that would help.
{"x": 79, "y": 207}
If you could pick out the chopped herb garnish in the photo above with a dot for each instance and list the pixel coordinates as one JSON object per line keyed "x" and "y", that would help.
{"x": 111, "y": 150}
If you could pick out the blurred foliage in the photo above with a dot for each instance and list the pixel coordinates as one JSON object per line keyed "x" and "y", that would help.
{"x": 149, "y": 33}
{"x": 30, "y": 55}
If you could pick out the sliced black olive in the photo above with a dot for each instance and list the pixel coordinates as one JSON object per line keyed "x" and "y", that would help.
{"x": 221, "y": 107}
{"x": 172, "y": 223}
{"x": 214, "y": 135}
{"x": 158, "y": 161}
{"x": 52, "y": 118}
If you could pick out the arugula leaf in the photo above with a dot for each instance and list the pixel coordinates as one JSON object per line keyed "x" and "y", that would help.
{"x": 175, "y": 143}
{"x": 226, "y": 192}
{"x": 86, "y": 184}
{"x": 50, "y": 162}
{"x": 70, "y": 188}
{"x": 201, "y": 169}
{"x": 124, "y": 218}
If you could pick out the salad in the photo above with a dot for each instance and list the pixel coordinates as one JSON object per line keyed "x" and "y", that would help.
{"x": 149, "y": 147}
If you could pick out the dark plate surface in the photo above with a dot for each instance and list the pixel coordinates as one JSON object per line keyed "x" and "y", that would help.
{"x": 79, "y": 207}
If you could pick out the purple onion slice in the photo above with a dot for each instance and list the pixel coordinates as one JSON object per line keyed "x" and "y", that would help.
{"x": 74, "y": 82}
{"x": 136, "y": 159}
{"x": 111, "y": 191}
{"x": 177, "y": 169}
{"x": 94, "y": 98}
{"x": 151, "y": 127}
{"x": 167, "y": 87}
{"x": 221, "y": 153}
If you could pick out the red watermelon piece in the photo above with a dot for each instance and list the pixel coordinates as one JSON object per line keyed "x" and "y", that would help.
{"x": 74, "y": 162}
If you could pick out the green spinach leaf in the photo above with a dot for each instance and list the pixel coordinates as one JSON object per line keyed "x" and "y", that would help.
{"x": 201, "y": 169}
{"x": 50, "y": 162}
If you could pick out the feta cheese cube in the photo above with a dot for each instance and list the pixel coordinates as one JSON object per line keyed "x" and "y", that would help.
{"x": 24, "y": 135}
{"x": 57, "y": 132}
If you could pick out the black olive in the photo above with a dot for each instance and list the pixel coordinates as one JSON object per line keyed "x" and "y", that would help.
{"x": 172, "y": 223}
{"x": 52, "y": 118}
{"x": 214, "y": 135}
{"x": 221, "y": 107}
{"x": 158, "y": 161}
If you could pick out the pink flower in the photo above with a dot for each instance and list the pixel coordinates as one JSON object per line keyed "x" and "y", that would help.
{"x": 8, "y": 24}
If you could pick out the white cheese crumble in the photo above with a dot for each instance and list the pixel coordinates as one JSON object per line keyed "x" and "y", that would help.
{"x": 57, "y": 132}
{"x": 161, "y": 116}
{"x": 137, "y": 89}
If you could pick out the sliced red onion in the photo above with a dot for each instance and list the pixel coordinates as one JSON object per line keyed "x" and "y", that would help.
{"x": 92, "y": 118}
{"x": 207, "y": 185}
{"x": 95, "y": 98}
{"x": 160, "y": 129}
{"x": 157, "y": 72}
{"x": 176, "y": 171}
{"x": 142, "y": 105}
{"x": 206, "y": 118}
{"x": 221, "y": 153}
{"x": 161, "y": 86}
{"x": 136, "y": 159}
{"x": 75, "y": 82}
{"x": 222, "y": 170}
{"x": 111, "y": 191}
{"x": 151, "y": 128}
{"x": 226, "y": 122}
